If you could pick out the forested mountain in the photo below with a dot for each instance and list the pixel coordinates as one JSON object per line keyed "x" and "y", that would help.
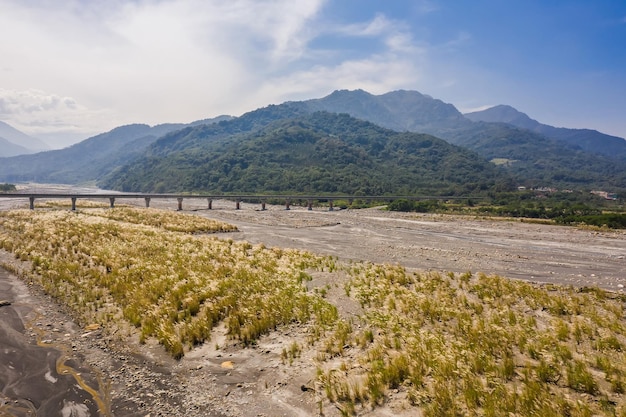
{"x": 586, "y": 139}
{"x": 176, "y": 157}
{"x": 13, "y": 142}
{"x": 84, "y": 161}
{"x": 534, "y": 159}
{"x": 90, "y": 159}
{"x": 398, "y": 110}
{"x": 308, "y": 153}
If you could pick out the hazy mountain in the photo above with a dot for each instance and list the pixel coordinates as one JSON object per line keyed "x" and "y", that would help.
{"x": 8, "y": 148}
{"x": 21, "y": 139}
{"x": 88, "y": 160}
{"x": 278, "y": 150}
{"x": 587, "y": 139}
{"x": 398, "y": 110}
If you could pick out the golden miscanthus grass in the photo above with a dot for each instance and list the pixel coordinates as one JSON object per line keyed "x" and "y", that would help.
{"x": 170, "y": 285}
{"x": 456, "y": 345}
{"x": 442, "y": 344}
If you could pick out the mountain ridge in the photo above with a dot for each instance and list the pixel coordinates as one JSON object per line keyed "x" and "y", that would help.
{"x": 531, "y": 158}
{"x": 21, "y": 139}
{"x": 587, "y": 139}
{"x": 306, "y": 153}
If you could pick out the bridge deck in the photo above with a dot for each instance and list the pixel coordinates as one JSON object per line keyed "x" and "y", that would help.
{"x": 263, "y": 198}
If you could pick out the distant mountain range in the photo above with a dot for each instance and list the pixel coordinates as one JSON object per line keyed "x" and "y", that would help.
{"x": 89, "y": 160}
{"x": 311, "y": 145}
{"x": 586, "y": 139}
{"x": 13, "y": 142}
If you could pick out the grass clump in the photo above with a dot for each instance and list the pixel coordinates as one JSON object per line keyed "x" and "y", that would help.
{"x": 119, "y": 266}
{"x": 484, "y": 345}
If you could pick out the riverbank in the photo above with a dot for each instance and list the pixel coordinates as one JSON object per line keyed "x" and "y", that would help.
{"x": 220, "y": 378}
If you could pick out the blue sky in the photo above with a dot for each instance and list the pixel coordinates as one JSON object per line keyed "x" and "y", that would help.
{"x": 75, "y": 68}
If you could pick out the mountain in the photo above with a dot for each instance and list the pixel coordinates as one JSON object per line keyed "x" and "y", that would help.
{"x": 280, "y": 149}
{"x": 586, "y": 139}
{"x": 88, "y": 160}
{"x": 398, "y": 110}
{"x": 183, "y": 157}
{"x": 534, "y": 159}
{"x": 8, "y": 148}
{"x": 10, "y": 134}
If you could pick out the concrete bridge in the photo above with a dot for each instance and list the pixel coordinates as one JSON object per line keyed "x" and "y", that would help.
{"x": 287, "y": 199}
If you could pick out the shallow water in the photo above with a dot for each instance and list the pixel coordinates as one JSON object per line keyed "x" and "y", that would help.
{"x": 40, "y": 376}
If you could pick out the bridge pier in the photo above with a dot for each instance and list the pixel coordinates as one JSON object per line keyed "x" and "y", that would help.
{"x": 238, "y": 205}
{"x": 310, "y": 205}
{"x": 112, "y": 201}
{"x": 32, "y": 202}
{"x": 147, "y": 202}
{"x": 287, "y": 205}
{"x": 73, "y": 203}
{"x": 263, "y": 205}
{"x": 180, "y": 203}
{"x": 330, "y": 205}
{"x": 210, "y": 203}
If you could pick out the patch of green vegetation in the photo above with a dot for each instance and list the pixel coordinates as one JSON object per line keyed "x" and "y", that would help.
{"x": 566, "y": 208}
{"x": 316, "y": 153}
{"x": 6, "y": 187}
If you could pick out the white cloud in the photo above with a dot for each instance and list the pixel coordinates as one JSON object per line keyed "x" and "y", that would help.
{"x": 378, "y": 26}
{"x": 36, "y": 111}
{"x": 170, "y": 60}
{"x": 377, "y": 75}
{"x": 475, "y": 109}
{"x": 96, "y": 65}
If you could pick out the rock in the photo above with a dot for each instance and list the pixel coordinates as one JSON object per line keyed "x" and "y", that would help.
{"x": 4, "y": 303}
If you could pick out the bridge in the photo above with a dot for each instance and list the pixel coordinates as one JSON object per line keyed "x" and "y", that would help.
{"x": 262, "y": 198}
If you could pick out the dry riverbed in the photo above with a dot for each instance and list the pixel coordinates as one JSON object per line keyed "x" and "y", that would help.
{"x": 82, "y": 370}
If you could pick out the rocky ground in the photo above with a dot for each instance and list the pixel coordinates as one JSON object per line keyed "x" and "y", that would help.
{"x": 220, "y": 378}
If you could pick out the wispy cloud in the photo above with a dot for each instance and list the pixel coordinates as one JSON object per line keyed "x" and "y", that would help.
{"x": 155, "y": 61}
{"x": 36, "y": 111}
{"x": 425, "y": 6}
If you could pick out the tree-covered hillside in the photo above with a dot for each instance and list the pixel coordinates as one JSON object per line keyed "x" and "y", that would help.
{"x": 316, "y": 153}
{"x": 588, "y": 140}
{"x": 531, "y": 157}
{"x": 90, "y": 159}
{"x": 183, "y": 157}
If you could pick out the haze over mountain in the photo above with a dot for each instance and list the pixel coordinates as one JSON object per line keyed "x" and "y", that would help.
{"x": 587, "y": 139}
{"x": 13, "y": 142}
{"x": 90, "y": 159}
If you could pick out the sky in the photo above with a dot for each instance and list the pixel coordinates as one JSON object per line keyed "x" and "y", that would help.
{"x": 70, "y": 69}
